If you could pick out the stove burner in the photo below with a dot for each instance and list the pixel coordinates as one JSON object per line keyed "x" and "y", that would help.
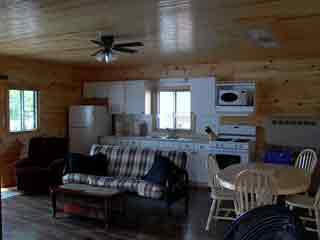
{"x": 242, "y": 140}
{"x": 224, "y": 139}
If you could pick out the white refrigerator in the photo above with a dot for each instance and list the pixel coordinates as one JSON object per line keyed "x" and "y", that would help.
{"x": 86, "y": 125}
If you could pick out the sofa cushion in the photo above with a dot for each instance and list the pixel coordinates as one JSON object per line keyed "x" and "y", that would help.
{"x": 135, "y": 162}
{"x": 141, "y": 187}
{"x": 104, "y": 149}
{"x": 177, "y": 157}
{"x": 150, "y": 190}
{"x": 126, "y": 161}
{"x": 159, "y": 172}
{"x": 79, "y": 163}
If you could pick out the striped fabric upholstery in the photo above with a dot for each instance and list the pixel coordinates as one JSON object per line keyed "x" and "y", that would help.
{"x": 130, "y": 162}
{"x": 178, "y": 158}
{"x": 126, "y": 167}
{"x": 126, "y": 162}
{"x": 141, "y": 187}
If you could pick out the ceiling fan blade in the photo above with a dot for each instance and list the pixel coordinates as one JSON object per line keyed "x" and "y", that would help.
{"x": 130, "y": 44}
{"x": 97, "y": 52}
{"x": 98, "y": 43}
{"x": 126, "y": 50}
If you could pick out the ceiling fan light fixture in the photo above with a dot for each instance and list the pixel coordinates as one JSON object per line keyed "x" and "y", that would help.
{"x": 104, "y": 57}
{"x": 107, "y": 57}
{"x": 108, "y": 48}
{"x": 100, "y": 57}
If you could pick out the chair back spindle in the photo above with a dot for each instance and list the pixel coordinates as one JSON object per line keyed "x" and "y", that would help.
{"x": 213, "y": 169}
{"x": 307, "y": 160}
{"x": 254, "y": 188}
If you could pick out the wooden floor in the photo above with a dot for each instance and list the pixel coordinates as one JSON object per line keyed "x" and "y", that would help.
{"x": 29, "y": 218}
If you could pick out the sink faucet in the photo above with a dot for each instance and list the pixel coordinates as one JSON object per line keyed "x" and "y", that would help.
{"x": 172, "y": 133}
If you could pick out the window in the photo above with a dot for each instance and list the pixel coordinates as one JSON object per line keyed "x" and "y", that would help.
{"x": 175, "y": 109}
{"x": 23, "y": 107}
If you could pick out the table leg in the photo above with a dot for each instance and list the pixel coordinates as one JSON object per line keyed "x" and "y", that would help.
{"x": 123, "y": 205}
{"x": 54, "y": 203}
{"x": 106, "y": 213}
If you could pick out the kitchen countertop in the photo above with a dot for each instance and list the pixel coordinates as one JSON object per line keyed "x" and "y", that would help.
{"x": 199, "y": 140}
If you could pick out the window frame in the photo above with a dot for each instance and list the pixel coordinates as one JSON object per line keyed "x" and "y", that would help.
{"x": 36, "y": 110}
{"x": 175, "y": 90}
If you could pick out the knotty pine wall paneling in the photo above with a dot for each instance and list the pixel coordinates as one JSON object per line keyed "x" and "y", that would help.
{"x": 58, "y": 90}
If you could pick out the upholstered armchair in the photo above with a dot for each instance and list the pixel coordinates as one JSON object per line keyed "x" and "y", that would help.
{"x": 8, "y": 158}
{"x": 44, "y": 165}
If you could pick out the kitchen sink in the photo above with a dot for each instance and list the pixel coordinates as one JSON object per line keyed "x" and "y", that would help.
{"x": 169, "y": 138}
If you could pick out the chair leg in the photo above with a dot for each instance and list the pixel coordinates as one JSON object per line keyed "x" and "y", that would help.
{"x": 211, "y": 213}
{"x": 169, "y": 213}
{"x": 186, "y": 205}
{"x": 316, "y": 211}
{"x": 53, "y": 202}
{"x": 217, "y": 208}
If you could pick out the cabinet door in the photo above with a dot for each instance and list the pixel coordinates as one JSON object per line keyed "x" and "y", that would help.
{"x": 197, "y": 170}
{"x": 95, "y": 90}
{"x": 202, "y": 95}
{"x": 135, "y": 97}
{"x": 116, "y": 94}
{"x": 202, "y": 103}
{"x": 203, "y": 167}
{"x": 191, "y": 168}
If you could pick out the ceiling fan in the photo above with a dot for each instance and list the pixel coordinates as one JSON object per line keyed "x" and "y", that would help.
{"x": 108, "y": 47}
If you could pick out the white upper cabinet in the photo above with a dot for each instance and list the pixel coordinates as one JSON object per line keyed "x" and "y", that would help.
{"x": 202, "y": 95}
{"x": 135, "y": 97}
{"x": 203, "y": 103}
{"x": 95, "y": 90}
{"x": 116, "y": 95}
{"x": 125, "y": 97}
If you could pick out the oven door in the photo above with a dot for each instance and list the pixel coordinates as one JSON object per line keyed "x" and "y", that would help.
{"x": 225, "y": 160}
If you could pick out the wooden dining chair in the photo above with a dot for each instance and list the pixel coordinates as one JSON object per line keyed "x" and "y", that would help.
{"x": 254, "y": 188}
{"x": 218, "y": 194}
{"x": 307, "y": 160}
{"x": 308, "y": 203}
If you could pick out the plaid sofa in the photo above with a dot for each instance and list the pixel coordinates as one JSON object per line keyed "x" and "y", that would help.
{"x": 127, "y": 166}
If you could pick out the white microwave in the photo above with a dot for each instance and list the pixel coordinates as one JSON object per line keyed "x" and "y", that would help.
{"x": 233, "y": 97}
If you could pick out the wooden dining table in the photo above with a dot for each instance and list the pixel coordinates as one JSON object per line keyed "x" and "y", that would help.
{"x": 290, "y": 180}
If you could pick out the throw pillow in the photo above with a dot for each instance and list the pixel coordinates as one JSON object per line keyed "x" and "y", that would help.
{"x": 79, "y": 163}
{"x": 159, "y": 172}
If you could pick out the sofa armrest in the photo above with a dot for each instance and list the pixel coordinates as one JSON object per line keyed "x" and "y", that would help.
{"x": 178, "y": 180}
{"x": 25, "y": 162}
{"x": 57, "y": 165}
{"x": 56, "y": 172}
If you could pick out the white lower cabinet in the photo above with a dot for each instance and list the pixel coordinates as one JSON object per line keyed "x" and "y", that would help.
{"x": 202, "y": 159}
{"x": 192, "y": 168}
{"x": 197, "y": 168}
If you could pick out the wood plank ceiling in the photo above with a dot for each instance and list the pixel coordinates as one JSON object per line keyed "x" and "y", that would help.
{"x": 174, "y": 31}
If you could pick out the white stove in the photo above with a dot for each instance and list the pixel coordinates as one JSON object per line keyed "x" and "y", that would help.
{"x": 235, "y": 141}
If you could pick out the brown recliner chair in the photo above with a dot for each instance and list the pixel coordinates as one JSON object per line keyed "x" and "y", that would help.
{"x": 44, "y": 165}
